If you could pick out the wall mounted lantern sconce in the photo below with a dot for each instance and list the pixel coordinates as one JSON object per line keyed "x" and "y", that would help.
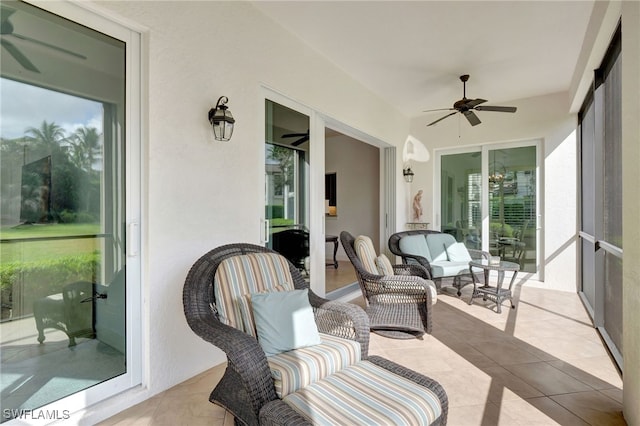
{"x": 408, "y": 174}
{"x": 221, "y": 120}
{"x": 413, "y": 149}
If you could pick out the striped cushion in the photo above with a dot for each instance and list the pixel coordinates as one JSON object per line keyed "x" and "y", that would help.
{"x": 365, "y": 394}
{"x": 363, "y": 246}
{"x": 296, "y": 369}
{"x": 384, "y": 265}
{"x": 249, "y": 273}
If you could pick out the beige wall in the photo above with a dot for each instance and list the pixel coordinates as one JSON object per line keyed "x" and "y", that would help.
{"x": 357, "y": 165}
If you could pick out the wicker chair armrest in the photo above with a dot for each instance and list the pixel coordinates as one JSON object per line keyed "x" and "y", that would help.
{"x": 244, "y": 355}
{"x": 420, "y": 379}
{"x": 417, "y": 270}
{"x": 420, "y": 259}
{"x": 340, "y": 319}
{"x": 279, "y": 413}
{"x": 409, "y": 285}
{"x": 479, "y": 254}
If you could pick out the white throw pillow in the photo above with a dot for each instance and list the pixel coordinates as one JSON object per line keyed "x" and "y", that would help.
{"x": 458, "y": 253}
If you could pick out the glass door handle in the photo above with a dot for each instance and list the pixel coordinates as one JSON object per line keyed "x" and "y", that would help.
{"x": 132, "y": 240}
{"x": 265, "y": 230}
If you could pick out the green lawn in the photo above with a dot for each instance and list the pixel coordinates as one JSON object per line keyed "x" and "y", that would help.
{"x": 15, "y": 248}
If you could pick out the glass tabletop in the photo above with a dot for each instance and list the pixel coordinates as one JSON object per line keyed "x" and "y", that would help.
{"x": 503, "y": 265}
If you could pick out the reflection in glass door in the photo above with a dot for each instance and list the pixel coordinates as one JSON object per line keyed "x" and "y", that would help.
{"x": 511, "y": 202}
{"x": 62, "y": 209}
{"x": 461, "y": 195}
{"x": 512, "y": 205}
{"x": 287, "y": 183}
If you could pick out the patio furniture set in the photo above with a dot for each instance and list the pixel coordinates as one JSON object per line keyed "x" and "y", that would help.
{"x": 295, "y": 358}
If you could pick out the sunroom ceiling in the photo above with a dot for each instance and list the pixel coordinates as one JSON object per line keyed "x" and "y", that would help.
{"x": 411, "y": 53}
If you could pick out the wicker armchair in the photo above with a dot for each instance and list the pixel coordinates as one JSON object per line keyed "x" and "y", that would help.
{"x": 399, "y": 306}
{"x": 456, "y": 276}
{"x": 247, "y": 388}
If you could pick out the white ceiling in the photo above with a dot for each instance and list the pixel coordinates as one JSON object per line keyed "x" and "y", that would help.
{"x": 412, "y": 53}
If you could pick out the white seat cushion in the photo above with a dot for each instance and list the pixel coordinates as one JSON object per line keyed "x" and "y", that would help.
{"x": 448, "y": 269}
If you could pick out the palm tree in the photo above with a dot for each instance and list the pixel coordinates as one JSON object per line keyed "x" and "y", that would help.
{"x": 49, "y": 136}
{"x": 86, "y": 147}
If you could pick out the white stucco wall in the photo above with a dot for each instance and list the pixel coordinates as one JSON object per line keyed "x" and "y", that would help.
{"x": 201, "y": 193}
{"x": 542, "y": 118}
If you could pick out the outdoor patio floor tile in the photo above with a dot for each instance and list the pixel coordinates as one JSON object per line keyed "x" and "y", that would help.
{"x": 539, "y": 364}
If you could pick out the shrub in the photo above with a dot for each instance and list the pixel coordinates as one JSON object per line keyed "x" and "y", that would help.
{"x": 25, "y": 282}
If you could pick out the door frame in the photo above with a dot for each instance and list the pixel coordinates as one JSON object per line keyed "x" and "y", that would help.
{"x": 317, "y": 123}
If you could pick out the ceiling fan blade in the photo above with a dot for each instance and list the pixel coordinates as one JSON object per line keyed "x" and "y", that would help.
{"x": 50, "y": 46}
{"x": 442, "y": 118}
{"x": 472, "y": 117}
{"x": 300, "y": 141}
{"x": 440, "y": 109}
{"x": 293, "y": 135}
{"x": 496, "y": 108}
{"x": 18, "y": 55}
{"x": 471, "y": 103}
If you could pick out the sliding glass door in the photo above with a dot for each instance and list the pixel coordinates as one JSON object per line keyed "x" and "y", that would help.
{"x": 488, "y": 200}
{"x": 287, "y": 164}
{"x": 513, "y": 205}
{"x": 69, "y": 325}
{"x": 461, "y": 197}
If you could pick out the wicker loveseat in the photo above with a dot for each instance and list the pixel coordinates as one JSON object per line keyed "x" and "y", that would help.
{"x": 446, "y": 259}
{"x": 333, "y": 381}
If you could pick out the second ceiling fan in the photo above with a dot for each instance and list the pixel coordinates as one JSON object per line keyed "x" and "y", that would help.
{"x": 301, "y": 137}
{"x": 467, "y": 107}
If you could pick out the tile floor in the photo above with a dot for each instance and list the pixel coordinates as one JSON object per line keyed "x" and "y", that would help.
{"x": 539, "y": 364}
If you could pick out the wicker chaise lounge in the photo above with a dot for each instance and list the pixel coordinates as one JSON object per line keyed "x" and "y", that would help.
{"x": 391, "y": 393}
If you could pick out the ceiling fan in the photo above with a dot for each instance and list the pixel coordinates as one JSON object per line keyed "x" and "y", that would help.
{"x": 303, "y": 137}
{"x": 6, "y": 30}
{"x": 467, "y": 106}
